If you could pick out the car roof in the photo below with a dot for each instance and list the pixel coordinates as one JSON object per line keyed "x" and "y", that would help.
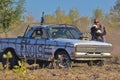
{"x": 54, "y": 26}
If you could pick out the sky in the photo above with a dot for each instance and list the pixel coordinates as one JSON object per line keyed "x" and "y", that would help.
{"x": 85, "y": 7}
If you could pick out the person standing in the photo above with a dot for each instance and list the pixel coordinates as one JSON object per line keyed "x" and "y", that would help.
{"x": 98, "y": 31}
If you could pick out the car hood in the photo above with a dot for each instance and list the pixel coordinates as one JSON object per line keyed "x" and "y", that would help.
{"x": 82, "y": 42}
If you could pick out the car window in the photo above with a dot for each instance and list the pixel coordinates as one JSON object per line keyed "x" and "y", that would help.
{"x": 39, "y": 34}
{"x": 75, "y": 33}
{"x": 66, "y": 32}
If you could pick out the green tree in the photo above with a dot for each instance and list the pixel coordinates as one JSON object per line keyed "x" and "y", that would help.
{"x": 74, "y": 16}
{"x": 115, "y": 14}
{"x": 29, "y": 19}
{"x": 116, "y": 11}
{"x": 50, "y": 19}
{"x": 10, "y": 12}
{"x": 98, "y": 14}
{"x": 59, "y": 16}
{"x": 84, "y": 22}
{"x": 117, "y": 6}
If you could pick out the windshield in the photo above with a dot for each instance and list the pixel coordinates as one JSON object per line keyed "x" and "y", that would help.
{"x": 64, "y": 32}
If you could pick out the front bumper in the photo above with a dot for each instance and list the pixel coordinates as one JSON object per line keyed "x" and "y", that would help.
{"x": 84, "y": 56}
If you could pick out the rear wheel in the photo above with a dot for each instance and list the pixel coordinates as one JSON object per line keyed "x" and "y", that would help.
{"x": 9, "y": 62}
{"x": 63, "y": 60}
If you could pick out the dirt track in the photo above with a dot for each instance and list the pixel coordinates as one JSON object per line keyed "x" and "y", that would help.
{"x": 78, "y": 72}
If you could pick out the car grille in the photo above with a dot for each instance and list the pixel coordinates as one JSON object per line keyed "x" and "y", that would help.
{"x": 93, "y": 48}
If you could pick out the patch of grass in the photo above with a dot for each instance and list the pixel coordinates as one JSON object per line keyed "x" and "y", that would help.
{"x": 117, "y": 59}
{"x": 20, "y": 68}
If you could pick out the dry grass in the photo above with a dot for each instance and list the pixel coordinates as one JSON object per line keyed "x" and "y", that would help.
{"x": 78, "y": 72}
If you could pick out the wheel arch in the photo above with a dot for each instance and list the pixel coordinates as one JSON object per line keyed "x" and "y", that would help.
{"x": 12, "y": 51}
{"x": 60, "y": 49}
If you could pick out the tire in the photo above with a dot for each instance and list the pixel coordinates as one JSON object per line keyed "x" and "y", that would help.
{"x": 63, "y": 60}
{"x": 12, "y": 61}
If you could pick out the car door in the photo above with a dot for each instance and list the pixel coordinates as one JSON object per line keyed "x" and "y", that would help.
{"x": 29, "y": 48}
{"x": 36, "y": 44}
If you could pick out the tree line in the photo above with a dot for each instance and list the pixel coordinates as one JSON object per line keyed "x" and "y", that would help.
{"x": 11, "y": 12}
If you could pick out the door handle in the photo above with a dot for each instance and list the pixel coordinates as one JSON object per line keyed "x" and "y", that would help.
{"x": 23, "y": 41}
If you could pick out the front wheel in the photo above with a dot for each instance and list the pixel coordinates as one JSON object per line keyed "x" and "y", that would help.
{"x": 63, "y": 60}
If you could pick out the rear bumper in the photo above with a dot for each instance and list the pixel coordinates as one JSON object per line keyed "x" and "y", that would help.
{"x": 83, "y": 56}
